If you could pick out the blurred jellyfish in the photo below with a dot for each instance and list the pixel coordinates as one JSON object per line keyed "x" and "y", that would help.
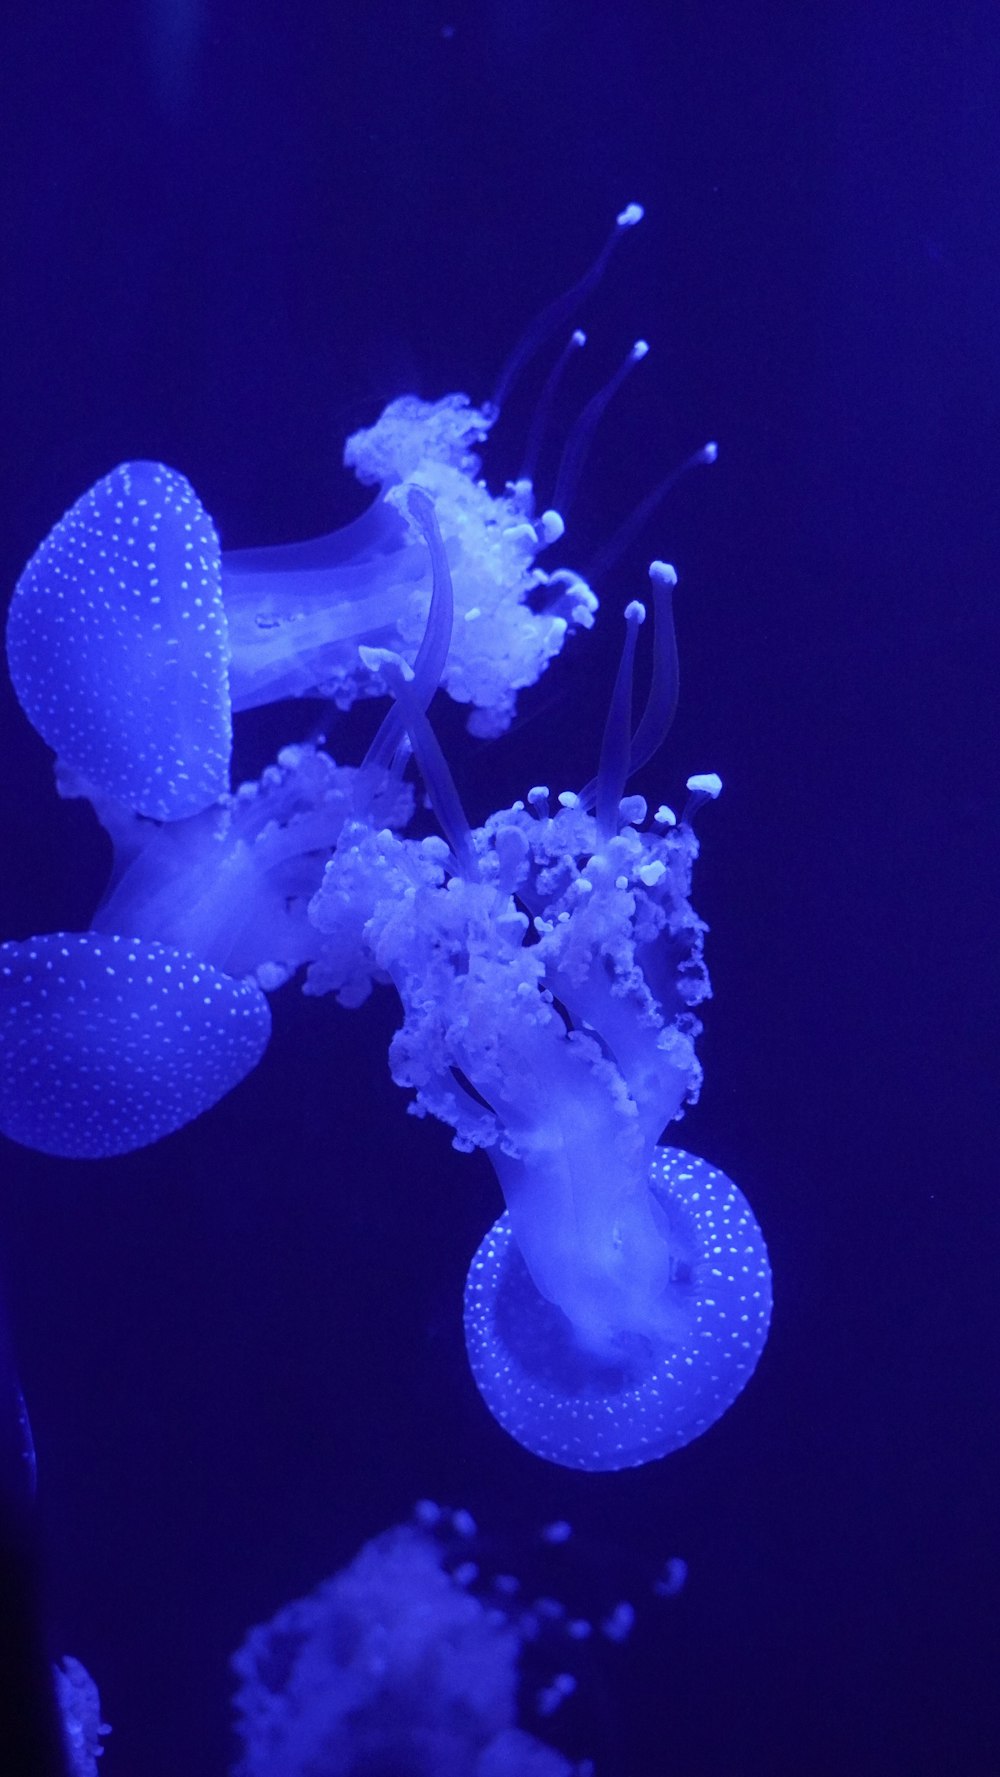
{"x": 411, "y": 1660}
{"x": 18, "y": 1463}
{"x": 80, "y": 1709}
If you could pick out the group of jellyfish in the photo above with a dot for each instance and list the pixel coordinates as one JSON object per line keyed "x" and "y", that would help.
{"x": 548, "y": 963}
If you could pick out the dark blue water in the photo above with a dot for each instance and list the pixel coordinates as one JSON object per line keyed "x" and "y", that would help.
{"x": 232, "y": 233}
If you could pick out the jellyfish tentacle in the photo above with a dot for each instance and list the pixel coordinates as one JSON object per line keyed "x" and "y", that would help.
{"x": 562, "y": 307}
{"x": 442, "y": 792}
{"x": 616, "y": 747}
{"x": 612, "y": 551}
{"x": 434, "y": 645}
{"x": 578, "y": 443}
{"x": 661, "y": 702}
{"x": 657, "y": 718}
{"x": 543, "y": 407}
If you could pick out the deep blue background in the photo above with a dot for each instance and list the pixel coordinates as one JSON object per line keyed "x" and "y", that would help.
{"x": 227, "y": 241}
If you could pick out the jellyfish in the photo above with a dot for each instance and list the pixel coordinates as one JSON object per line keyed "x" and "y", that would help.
{"x": 115, "y": 1037}
{"x": 549, "y": 965}
{"x": 132, "y": 637}
{"x": 121, "y": 1035}
{"x": 412, "y": 1660}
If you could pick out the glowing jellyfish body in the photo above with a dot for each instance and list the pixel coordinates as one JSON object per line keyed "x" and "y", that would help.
{"x": 107, "y": 1043}
{"x": 646, "y": 1398}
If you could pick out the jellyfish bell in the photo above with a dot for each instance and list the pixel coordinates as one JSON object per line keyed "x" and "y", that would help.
{"x": 117, "y": 647}
{"x": 642, "y": 1396}
{"x": 110, "y": 1043}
